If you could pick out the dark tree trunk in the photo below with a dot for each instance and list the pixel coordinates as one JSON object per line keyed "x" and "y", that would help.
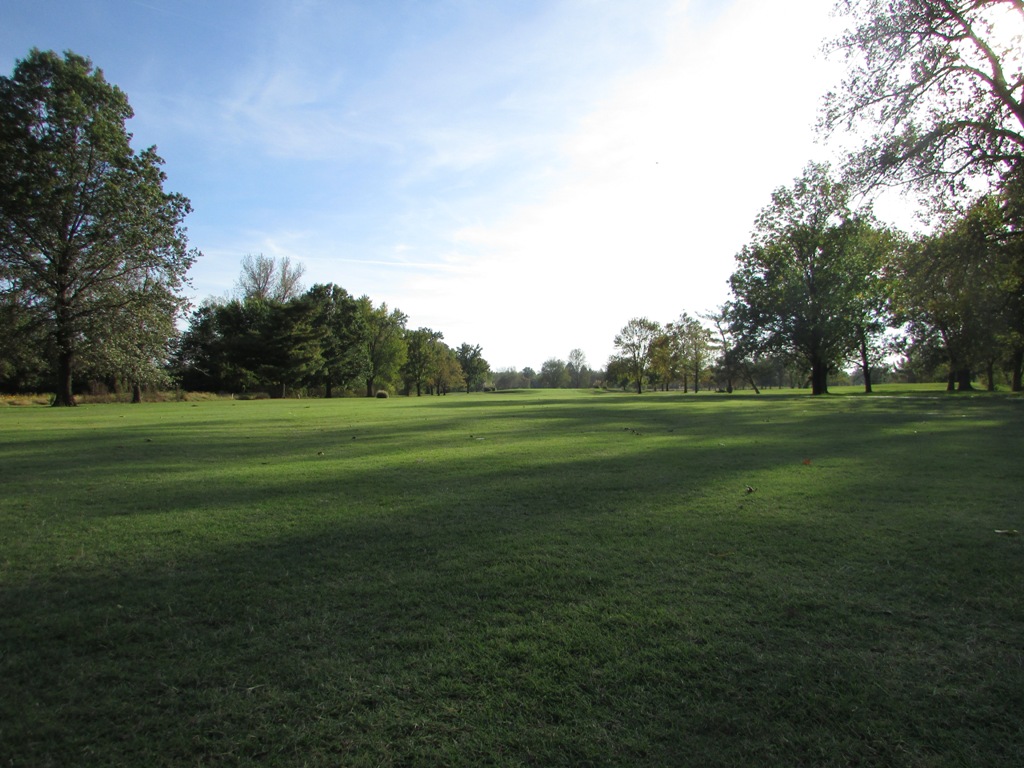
{"x": 963, "y": 380}
{"x": 1017, "y": 363}
{"x": 369, "y": 387}
{"x": 819, "y": 377}
{"x": 64, "y": 395}
{"x": 328, "y": 387}
{"x": 951, "y": 381}
{"x": 753, "y": 384}
{"x": 990, "y": 374}
{"x": 136, "y": 393}
{"x": 865, "y": 366}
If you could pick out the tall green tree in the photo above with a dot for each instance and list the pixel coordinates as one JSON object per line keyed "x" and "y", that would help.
{"x": 87, "y": 232}
{"x": 635, "y": 345}
{"x": 422, "y": 356}
{"x": 958, "y": 291}
{"x": 695, "y": 345}
{"x": 340, "y": 328}
{"x": 664, "y": 367}
{"x": 447, "y": 373}
{"x": 386, "y": 348}
{"x": 797, "y": 284}
{"x": 474, "y": 366}
{"x": 939, "y": 84}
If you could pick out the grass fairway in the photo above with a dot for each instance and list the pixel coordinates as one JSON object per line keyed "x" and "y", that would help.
{"x": 534, "y": 578}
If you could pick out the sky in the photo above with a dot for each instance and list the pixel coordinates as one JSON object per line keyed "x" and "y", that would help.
{"x": 523, "y": 175}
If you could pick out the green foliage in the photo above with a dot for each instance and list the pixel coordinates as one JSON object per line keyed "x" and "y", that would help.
{"x": 386, "y": 349}
{"x": 803, "y": 285}
{"x": 554, "y": 374}
{"x": 960, "y": 291}
{"x": 340, "y": 327}
{"x": 635, "y": 345}
{"x": 547, "y": 578}
{"x": 937, "y": 85}
{"x": 423, "y": 356}
{"x": 474, "y": 367}
{"x": 92, "y": 250}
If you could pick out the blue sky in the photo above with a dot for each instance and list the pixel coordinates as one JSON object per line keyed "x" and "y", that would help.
{"x": 518, "y": 174}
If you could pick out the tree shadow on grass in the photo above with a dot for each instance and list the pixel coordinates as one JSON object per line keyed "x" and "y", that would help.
{"x": 604, "y": 607}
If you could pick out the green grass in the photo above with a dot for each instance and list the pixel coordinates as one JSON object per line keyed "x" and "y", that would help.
{"x": 514, "y": 579}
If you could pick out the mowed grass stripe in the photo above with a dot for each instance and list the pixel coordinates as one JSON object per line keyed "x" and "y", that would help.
{"x": 535, "y": 578}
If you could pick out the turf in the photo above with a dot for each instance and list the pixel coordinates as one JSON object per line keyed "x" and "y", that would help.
{"x": 531, "y": 578}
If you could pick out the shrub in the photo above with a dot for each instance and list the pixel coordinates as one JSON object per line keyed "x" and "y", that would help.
{"x": 383, "y": 394}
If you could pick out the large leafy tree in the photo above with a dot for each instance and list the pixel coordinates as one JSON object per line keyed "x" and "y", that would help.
{"x": 798, "y": 284}
{"x": 634, "y": 344}
{"x": 474, "y": 366}
{"x": 422, "y": 357}
{"x": 89, "y": 240}
{"x": 941, "y": 85}
{"x": 958, "y": 293}
{"x": 447, "y": 373}
{"x": 386, "y": 347}
{"x": 695, "y": 346}
{"x": 341, "y": 330}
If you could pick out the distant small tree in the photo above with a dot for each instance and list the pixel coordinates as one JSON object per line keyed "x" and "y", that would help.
{"x": 447, "y": 373}
{"x": 474, "y": 367}
{"x": 634, "y": 343}
{"x": 577, "y": 367}
{"x": 554, "y": 374}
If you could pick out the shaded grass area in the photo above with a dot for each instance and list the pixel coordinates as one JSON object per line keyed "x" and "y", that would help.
{"x": 514, "y": 579}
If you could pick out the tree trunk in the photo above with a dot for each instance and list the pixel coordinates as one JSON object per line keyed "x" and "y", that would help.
{"x": 990, "y": 374}
{"x": 819, "y": 377}
{"x": 136, "y": 393}
{"x": 1017, "y": 362}
{"x": 328, "y": 387}
{"x": 64, "y": 396}
{"x": 369, "y": 387}
{"x": 963, "y": 380}
{"x": 951, "y": 381}
{"x": 865, "y": 366}
{"x": 750, "y": 378}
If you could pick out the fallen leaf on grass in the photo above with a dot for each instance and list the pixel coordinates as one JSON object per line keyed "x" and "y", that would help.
{"x": 1010, "y": 532}
{"x": 807, "y": 462}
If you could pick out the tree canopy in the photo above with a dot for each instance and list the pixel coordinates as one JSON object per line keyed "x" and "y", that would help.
{"x": 93, "y": 252}
{"x": 941, "y": 85}
{"x": 800, "y": 280}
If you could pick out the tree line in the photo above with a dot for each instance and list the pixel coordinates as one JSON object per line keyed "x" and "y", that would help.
{"x": 275, "y": 336}
{"x": 94, "y": 255}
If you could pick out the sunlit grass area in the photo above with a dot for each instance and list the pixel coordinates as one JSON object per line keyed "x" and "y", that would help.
{"x": 525, "y": 578}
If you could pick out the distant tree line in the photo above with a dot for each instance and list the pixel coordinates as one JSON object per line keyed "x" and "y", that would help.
{"x": 275, "y": 337}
